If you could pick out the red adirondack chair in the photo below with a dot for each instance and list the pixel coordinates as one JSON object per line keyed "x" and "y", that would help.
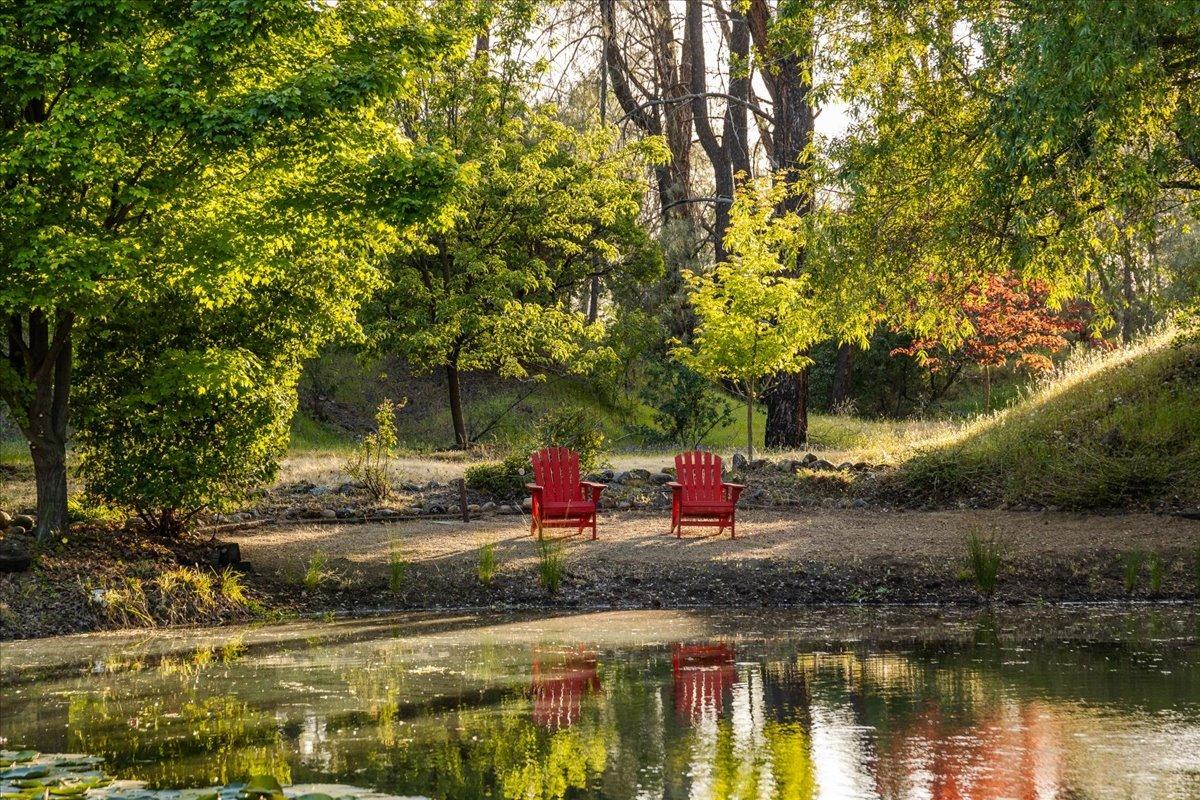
{"x": 559, "y": 498}
{"x": 699, "y": 496}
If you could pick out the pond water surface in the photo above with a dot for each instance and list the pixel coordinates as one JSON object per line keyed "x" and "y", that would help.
{"x": 874, "y": 703}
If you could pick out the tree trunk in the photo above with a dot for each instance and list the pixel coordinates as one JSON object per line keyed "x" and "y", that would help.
{"x": 41, "y": 361}
{"x": 787, "y": 73}
{"x": 750, "y": 424}
{"x": 843, "y": 373}
{"x": 787, "y": 411}
{"x": 456, "y": 410}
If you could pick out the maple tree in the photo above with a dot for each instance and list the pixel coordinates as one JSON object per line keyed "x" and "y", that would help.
{"x": 1010, "y": 322}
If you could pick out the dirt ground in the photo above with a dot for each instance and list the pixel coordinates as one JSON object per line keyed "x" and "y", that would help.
{"x": 788, "y": 556}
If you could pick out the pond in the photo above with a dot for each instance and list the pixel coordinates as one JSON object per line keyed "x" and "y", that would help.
{"x": 1088, "y": 702}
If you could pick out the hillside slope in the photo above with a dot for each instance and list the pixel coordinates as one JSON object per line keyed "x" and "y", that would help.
{"x": 1114, "y": 430}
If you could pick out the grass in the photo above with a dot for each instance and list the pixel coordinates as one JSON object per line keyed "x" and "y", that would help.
{"x": 1155, "y": 567}
{"x": 551, "y": 566}
{"x": 316, "y": 572}
{"x": 1132, "y": 567}
{"x": 1107, "y": 430}
{"x": 397, "y": 567}
{"x": 487, "y": 566}
{"x": 983, "y": 561}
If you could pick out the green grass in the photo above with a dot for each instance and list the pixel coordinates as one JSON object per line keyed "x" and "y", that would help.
{"x": 983, "y": 560}
{"x": 551, "y": 566}
{"x": 487, "y": 567}
{"x": 1132, "y": 568}
{"x": 1113, "y": 430}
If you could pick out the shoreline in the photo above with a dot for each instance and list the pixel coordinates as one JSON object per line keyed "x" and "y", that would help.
{"x": 786, "y": 559}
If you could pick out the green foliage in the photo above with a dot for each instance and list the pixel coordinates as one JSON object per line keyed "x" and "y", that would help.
{"x": 485, "y": 287}
{"x": 755, "y": 316}
{"x": 371, "y": 462}
{"x": 487, "y": 566}
{"x": 504, "y": 480}
{"x": 316, "y": 573}
{"x": 551, "y": 565}
{"x": 575, "y": 427}
{"x": 686, "y": 407}
{"x": 1155, "y": 566}
{"x": 397, "y": 567}
{"x": 175, "y": 420}
{"x": 1132, "y": 567}
{"x": 984, "y": 560}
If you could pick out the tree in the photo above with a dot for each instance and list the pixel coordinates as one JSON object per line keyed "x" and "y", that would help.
{"x": 755, "y": 319}
{"x": 488, "y": 286}
{"x": 116, "y": 122}
{"x": 1009, "y": 323}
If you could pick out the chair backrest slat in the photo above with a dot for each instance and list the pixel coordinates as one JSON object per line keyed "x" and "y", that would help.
{"x": 556, "y": 470}
{"x": 699, "y": 473}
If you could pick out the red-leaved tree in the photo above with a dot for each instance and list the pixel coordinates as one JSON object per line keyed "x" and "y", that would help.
{"x": 1013, "y": 325}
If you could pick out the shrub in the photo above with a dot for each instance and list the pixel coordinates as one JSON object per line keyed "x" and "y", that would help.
{"x": 371, "y": 462}
{"x": 984, "y": 559}
{"x": 487, "y": 566}
{"x": 550, "y": 566}
{"x": 574, "y": 427}
{"x": 172, "y": 432}
{"x": 503, "y": 480}
{"x": 315, "y": 574}
{"x": 686, "y": 409}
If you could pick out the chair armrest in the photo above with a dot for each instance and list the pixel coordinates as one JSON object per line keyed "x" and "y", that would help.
{"x": 592, "y": 489}
{"x": 676, "y": 487}
{"x": 534, "y": 488}
{"x": 733, "y": 490}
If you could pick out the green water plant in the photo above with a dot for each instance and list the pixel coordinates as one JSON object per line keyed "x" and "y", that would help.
{"x": 316, "y": 573}
{"x": 487, "y": 565}
{"x": 983, "y": 561}
{"x": 551, "y": 566}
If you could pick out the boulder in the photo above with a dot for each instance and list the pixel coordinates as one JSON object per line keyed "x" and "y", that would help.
{"x": 488, "y": 506}
{"x": 328, "y": 513}
{"x": 5, "y": 519}
{"x": 739, "y": 461}
{"x": 661, "y": 478}
{"x": 808, "y": 459}
{"x": 669, "y": 471}
{"x": 14, "y": 558}
{"x": 15, "y": 531}
{"x": 845, "y": 465}
{"x": 527, "y": 503}
{"x": 821, "y": 465}
{"x": 605, "y": 476}
{"x": 24, "y": 520}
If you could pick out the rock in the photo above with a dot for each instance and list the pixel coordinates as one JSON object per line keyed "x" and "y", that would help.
{"x": 15, "y": 530}
{"x": 14, "y": 558}
{"x": 5, "y": 519}
{"x": 346, "y": 488}
{"x": 433, "y": 507}
{"x": 760, "y": 463}
{"x": 739, "y": 461}
{"x": 24, "y": 520}
{"x": 505, "y": 508}
{"x": 328, "y": 513}
{"x": 488, "y": 506}
{"x": 319, "y": 491}
{"x": 787, "y": 465}
{"x": 809, "y": 458}
{"x": 527, "y": 504}
{"x": 385, "y": 512}
{"x": 624, "y": 505}
{"x": 227, "y": 554}
{"x": 753, "y": 493}
{"x": 661, "y": 478}
{"x": 669, "y": 471}
{"x": 433, "y": 485}
{"x": 862, "y": 466}
{"x": 859, "y": 503}
{"x": 845, "y": 465}
{"x": 606, "y": 476}
{"x": 409, "y": 486}
{"x": 821, "y": 465}
{"x": 474, "y": 508}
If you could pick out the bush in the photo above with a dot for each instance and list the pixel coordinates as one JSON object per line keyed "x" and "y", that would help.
{"x": 173, "y": 432}
{"x": 984, "y": 559}
{"x": 574, "y": 427}
{"x": 371, "y": 462}
{"x": 686, "y": 409}
{"x": 504, "y": 480}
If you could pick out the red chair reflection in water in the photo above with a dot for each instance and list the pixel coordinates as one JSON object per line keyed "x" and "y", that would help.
{"x": 561, "y": 678}
{"x": 703, "y": 673}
